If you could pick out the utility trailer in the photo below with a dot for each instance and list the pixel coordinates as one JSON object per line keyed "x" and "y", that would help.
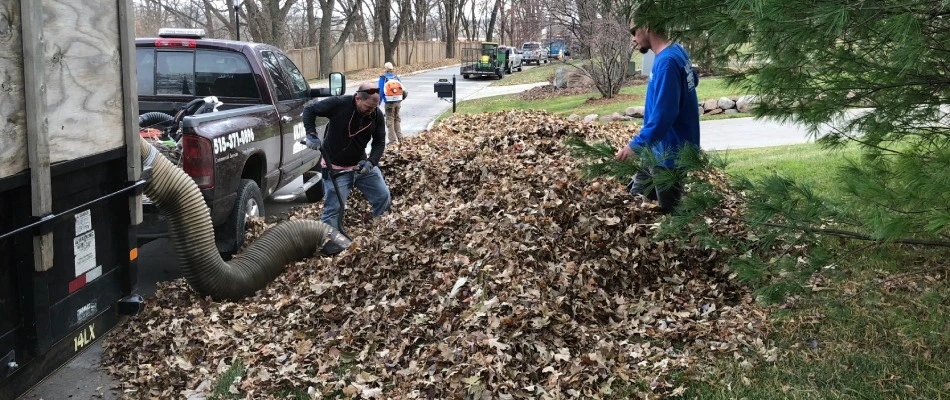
{"x": 70, "y": 181}
{"x": 483, "y": 61}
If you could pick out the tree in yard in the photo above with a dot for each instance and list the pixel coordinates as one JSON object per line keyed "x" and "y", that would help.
{"x": 605, "y": 34}
{"x": 266, "y": 20}
{"x": 329, "y": 48}
{"x": 421, "y": 12}
{"x": 452, "y": 17}
{"x": 392, "y": 35}
{"x": 873, "y": 74}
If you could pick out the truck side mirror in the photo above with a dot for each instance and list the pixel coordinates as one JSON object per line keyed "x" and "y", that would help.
{"x": 337, "y": 86}
{"x": 337, "y": 83}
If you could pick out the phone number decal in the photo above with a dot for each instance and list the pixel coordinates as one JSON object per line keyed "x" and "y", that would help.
{"x": 233, "y": 140}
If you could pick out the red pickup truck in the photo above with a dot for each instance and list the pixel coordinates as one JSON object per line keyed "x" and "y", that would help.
{"x": 251, "y": 145}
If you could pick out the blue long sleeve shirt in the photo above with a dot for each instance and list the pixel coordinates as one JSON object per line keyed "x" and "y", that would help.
{"x": 671, "y": 114}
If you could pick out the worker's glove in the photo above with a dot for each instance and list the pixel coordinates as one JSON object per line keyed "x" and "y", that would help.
{"x": 365, "y": 166}
{"x": 313, "y": 142}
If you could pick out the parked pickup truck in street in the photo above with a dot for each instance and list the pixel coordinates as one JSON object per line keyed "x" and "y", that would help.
{"x": 514, "y": 59}
{"x": 250, "y": 146}
{"x": 533, "y": 53}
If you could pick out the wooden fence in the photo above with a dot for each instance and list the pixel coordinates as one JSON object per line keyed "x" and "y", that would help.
{"x": 360, "y": 55}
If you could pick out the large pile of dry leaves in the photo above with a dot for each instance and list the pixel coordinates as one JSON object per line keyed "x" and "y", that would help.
{"x": 500, "y": 273}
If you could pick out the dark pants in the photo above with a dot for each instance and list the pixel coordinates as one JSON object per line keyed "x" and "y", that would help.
{"x": 667, "y": 197}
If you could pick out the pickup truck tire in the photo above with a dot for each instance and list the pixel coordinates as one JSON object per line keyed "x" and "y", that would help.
{"x": 249, "y": 203}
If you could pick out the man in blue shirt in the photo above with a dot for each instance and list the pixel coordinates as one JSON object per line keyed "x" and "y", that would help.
{"x": 670, "y": 118}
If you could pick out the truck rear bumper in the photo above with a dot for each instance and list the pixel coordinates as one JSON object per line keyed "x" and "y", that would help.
{"x": 155, "y": 225}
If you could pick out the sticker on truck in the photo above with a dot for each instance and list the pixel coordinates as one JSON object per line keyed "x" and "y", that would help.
{"x": 299, "y": 135}
{"x": 84, "y": 337}
{"x": 83, "y": 221}
{"x": 84, "y": 249}
{"x": 233, "y": 140}
{"x": 86, "y": 267}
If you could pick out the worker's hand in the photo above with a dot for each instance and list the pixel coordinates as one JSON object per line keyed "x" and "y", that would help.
{"x": 313, "y": 142}
{"x": 624, "y": 153}
{"x": 365, "y": 166}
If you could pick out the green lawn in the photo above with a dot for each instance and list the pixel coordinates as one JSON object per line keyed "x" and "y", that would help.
{"x": 532, "y": 74}
{"x": 809, "y": 163}
{"x": 579, "y": 104}
{"x": 859, "y": 337}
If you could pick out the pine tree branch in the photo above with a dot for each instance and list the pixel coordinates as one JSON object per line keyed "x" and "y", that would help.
{"x": 853, "y": 235}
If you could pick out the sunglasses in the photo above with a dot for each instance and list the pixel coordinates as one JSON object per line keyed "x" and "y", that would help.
{"x": 369, "y": 91}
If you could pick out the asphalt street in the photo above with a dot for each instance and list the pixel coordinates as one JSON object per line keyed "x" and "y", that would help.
{"x": 85, "y": 378}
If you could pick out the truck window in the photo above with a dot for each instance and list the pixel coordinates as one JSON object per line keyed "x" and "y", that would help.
{"x": 175, "y": 72}
{"x": 300, "y": 85}
{"x": 145, "y": 71}
{"x": 224, "y": 74}
{"x": 530, "y": 46}
{"x": 281, "y": 86}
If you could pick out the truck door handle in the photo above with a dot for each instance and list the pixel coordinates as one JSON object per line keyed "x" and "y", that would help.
{"x": 286, "y": 119}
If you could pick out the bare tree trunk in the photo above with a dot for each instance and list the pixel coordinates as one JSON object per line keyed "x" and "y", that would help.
{"x": 453, "y": 15}
{"x": 492, "y": 19}
{"x": 312, "y": 27}
{"x": 327, "y": 49}
{"x": 266, "y": 20}
{"x": 474, "y": 28}
{"x": 422, "y": 10}
{"x": 360, "y": 33}
{"x": 383, "y": 14}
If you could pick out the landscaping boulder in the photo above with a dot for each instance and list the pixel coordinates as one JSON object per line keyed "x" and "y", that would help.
{"x": 590, "y": 118}
{"x": 577, "y": 78}
{"x": 573, "y": 117}
{"x": 726, "y": 103}
{"x": 636, "y": 112}
{"x": 745, "y": 103}
{"x": 710, "y": 104}
{"x": 560, "y": 78}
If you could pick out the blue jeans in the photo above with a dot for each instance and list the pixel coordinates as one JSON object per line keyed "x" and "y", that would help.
{"x": 667, "y": 198}
{"x": 371, "y": 185}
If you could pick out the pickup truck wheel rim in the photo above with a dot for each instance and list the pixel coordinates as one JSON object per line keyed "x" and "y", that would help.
{"x": 252, "y": 209}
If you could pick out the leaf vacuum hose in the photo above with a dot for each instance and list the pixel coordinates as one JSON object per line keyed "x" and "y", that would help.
{"x": 191, "y": 231}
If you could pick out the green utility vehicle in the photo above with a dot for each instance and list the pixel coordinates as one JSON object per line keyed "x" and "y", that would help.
{"x": 484, "y": 61}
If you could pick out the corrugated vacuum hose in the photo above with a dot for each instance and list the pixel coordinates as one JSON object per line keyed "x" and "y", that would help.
{"x": 192, "y": 234}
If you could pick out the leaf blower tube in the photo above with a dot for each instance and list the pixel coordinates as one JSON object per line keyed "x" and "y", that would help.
{"x": 191, "y": 231}
{"x": 153, "y": 118}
